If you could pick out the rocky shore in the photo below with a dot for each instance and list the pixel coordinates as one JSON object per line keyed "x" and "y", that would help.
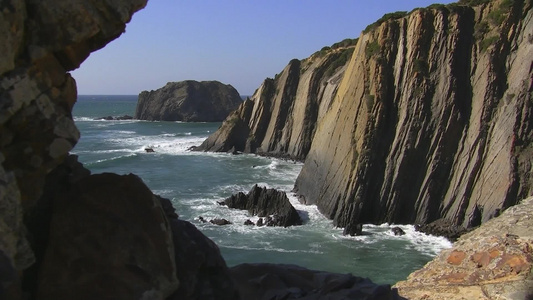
{"x": 67, "y": 234}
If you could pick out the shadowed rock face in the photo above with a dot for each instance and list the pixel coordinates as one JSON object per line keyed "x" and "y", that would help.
{"x": 430, "y": 122}
{"x": 188, "y": 101}
{"x": 264, "y": 202}
{"x": 40, "y": 41}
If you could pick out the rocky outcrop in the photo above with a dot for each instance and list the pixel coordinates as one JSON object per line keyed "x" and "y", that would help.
{"x": 108, "y": 237}
{"x": 432, "y": 120}
{"x": 40, "y": 42}
{"x": 264, "y": 202}
{"x": 494, "y": 261}
{"x": 281, "y": 117}
{"x": 268, "y": 281}
{"x": 188, "y": 101}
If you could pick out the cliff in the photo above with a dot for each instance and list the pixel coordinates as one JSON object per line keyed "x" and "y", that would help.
{"x": 491, "y": 262}
{"x": 281, "y": 117}
{"x": 432, "y": 120}
{"x": 429, "y": 120}
{"x": 188, "y": 101}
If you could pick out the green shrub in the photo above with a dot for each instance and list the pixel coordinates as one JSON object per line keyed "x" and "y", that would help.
{"x": 496, "y": 17}
{"x": 339, "y": 62}
{"x": 480, "y": 29}
{"x": 486, "y": 43}
{"x": 385, "y": 18}
{"x": 473, "y": 2}
{"x": 369, "y": 101}
{"x": 372, "y": 49}
{"x": 344, "y": 43}
{"x": 506, "y": 5}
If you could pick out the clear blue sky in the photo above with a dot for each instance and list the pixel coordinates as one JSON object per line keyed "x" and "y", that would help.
{"x": 237, "y": 42}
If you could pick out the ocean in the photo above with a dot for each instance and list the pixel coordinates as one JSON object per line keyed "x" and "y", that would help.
{"x": 195, "y": 181}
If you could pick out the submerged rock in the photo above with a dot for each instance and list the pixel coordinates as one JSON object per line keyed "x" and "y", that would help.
{"x": 188, "y": 101}
{"x": 264, "y": 202}
{"x": 398, "y": 231}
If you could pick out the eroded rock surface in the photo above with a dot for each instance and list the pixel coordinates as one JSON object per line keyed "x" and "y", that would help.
{"x": 188, "y": 101}
{"x": 264, "y": 202}
{"x": 494, "y": 261}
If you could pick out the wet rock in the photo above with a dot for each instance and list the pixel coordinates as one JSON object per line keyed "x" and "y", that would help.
{"x": 353, "y": 229}
{"x": 268, "y": 203}
{"x": 442, "y": 227}
{"x": 220, "y": 222}
{"x": 398, "y": 231}
{"x": 248, "y": 222}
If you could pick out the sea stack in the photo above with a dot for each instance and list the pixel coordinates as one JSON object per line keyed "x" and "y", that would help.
{"x": 188, "y": 101}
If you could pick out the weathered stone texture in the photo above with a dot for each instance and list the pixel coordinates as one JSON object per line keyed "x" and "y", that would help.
{"x": 188, "y": 101}
{"x": 281, "y": 117}
{"x": 430, "y": 120}
{"x": 494, "y": 261}
{"x": 40, "y": 41}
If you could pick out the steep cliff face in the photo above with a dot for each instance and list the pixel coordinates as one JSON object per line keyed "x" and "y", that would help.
{"x": 188, "y": 101}
{"x": 433, "y": 119}
{"x": 280, "y": 119}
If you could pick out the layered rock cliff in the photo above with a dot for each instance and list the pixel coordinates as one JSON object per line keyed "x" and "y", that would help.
{"x": 430, "y": 119}
{"x": 433, "y": 119}
{"x": 188, "y": 101}
{"x": 281, "y": 117}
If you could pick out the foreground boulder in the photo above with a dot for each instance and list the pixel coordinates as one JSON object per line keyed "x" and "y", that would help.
{"x": 188, "y": 101}
{"x": 264, "y": 202}
{"x": 494, "y": 261}
{"x": 109, "y": 238}
{"x": 269, "y": 281}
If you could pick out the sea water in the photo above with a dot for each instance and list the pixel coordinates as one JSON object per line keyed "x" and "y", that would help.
{"x": 195, "y": 181}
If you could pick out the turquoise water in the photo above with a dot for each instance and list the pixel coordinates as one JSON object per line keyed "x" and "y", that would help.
{"x": 196, "y": 181}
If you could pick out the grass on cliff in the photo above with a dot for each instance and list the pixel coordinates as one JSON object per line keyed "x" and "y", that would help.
{"x": 385, "y": 18}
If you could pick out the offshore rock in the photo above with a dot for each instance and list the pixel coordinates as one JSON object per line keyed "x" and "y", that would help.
{"x": 494, "y": 261}
{"x": 264, "y": 202}
{"x": 38, "y": 46}
{"x": 270, "y": 281}
{"x": 432, "y": 120}
{"x": 188, "y": 101}
{"x": 281, "y": 117}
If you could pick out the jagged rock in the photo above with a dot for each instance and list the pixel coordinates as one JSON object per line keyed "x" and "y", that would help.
{"x": 220, "y": 222}
{"x": 270, "y": 281}
{"x": 264, "y": 125}
{"x": 494, "y": 261}
{"x": 430, "y": 121}
{"x": 264, "y": 202}
{"x": 112, "y": 118}
{"x": 248, "y": 222}
{"x": 109, "y": 238}
{"x": 398, "y": 231}
{"x": 188, "y": 101}
{"x": 442, "y": 227}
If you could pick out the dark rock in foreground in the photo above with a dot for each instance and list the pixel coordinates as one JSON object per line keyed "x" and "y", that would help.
{"x": 264, "y": 202}
{"x": 269, "y": 281}
{"x": 188, "y": 101}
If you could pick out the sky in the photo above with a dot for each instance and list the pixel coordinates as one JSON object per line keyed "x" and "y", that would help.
{"x": 237, "y": 42}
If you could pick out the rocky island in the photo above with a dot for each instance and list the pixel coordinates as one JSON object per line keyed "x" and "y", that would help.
{"x": 430, "y": 118}
{"x": 188, "y": 101}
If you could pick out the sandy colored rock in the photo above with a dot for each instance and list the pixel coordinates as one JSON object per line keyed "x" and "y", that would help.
{"x": 495, "y": 261}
